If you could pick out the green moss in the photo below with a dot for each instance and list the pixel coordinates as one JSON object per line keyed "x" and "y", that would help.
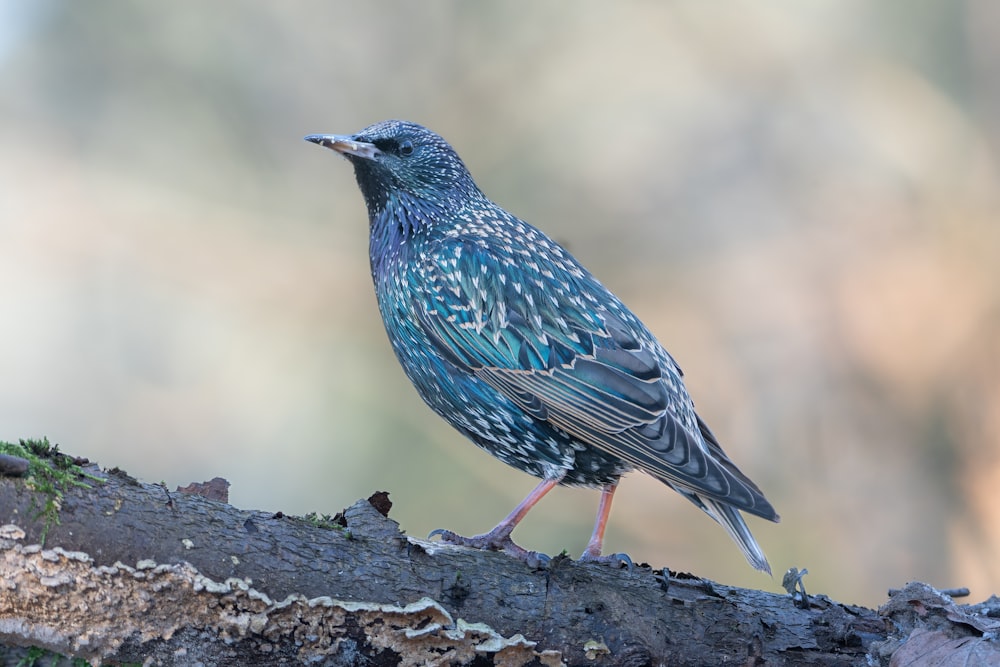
{"x": 40, "y": 657}
{"x": 327, "y": 522}
{"x": 34, "y": 653}
{"x": 50, "y": 472}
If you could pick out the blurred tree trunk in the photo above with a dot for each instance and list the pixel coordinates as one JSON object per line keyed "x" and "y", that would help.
{"x": 133, "y": 572}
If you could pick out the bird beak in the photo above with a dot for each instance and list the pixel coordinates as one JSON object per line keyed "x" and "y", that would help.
{"x": 345, "y": 145}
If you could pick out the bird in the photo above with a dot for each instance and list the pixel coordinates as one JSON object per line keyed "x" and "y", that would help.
{"x": 508, "y": 338}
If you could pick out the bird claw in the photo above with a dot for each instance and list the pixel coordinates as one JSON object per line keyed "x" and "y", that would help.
{"x": 491, "y": 541}
{"x": 494, "y": 541}
{"x": 614, "y": 560}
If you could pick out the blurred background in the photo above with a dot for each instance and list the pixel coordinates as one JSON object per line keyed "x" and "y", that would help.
{"x": 801, "y": 200}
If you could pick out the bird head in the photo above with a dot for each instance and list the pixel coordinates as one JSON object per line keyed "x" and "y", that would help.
{"x": 398, "y": 163}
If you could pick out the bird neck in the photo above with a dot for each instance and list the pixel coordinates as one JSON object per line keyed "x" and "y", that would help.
{"x": 393, "y": 228}
{"x": 402, "y": 215}
{"x": 402, "y": 220}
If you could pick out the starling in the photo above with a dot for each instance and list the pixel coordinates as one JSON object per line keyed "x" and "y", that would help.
{"x": 515, "y": 344}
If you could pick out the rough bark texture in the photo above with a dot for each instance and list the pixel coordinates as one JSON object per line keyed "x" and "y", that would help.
{"x": 133, "y": 573}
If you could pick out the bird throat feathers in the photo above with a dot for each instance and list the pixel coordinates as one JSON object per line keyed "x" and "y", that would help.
{"x": 394, "y": 221}
{"x": 410, "y": 200}
{"x": 396, "y": 214}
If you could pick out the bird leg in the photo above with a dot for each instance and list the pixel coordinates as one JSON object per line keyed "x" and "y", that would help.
{"x": 499, "y": 538}
{"x": 593, "y": 551}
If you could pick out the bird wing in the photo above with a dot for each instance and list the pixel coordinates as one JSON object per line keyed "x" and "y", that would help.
{"x": 564, "y": 349}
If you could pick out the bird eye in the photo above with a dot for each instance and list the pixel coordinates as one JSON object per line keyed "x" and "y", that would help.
{"x": 406, "y": 147}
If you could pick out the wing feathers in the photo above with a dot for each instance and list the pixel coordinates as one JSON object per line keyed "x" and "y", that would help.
{"x": 586, "y": 370}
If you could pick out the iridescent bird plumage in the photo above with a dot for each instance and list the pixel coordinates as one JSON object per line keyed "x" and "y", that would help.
{"x": 511, "y": 340}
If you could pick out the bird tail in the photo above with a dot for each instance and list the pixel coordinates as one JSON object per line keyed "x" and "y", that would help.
{"x": 731, "y": 519}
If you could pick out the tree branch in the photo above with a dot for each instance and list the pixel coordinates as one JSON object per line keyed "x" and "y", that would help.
{"x": 133, "y": 572}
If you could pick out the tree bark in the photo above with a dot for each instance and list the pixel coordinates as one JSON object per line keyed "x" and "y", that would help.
{"x": 135, "y": 573}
